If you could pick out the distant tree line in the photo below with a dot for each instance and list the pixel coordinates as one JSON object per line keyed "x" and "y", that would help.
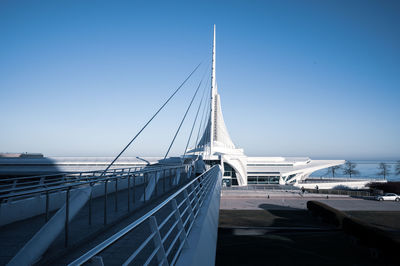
{"x": 349, "y": 168}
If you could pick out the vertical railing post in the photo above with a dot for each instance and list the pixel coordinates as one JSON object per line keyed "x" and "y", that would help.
{"x": 170, "y": 178}
{"x": 116, "y": 194}
{"x": 203, "y": 185}
{"x": 66, "y": 217}
{"x": 129, "y": 189}
{"x": 47, "y": 206}
{"x": 189, "y": 205}
{"x": 156, "y": 182}
{"x": 144, "y": 187}
{"x": 164, "y": 180}
{"x": 134, "y": 189}
{"x": 161, "y": 256}
{"x": 178, "y": 217}
{"x": 90, "y": 204}
{"x": 175, "y": 180}
{"x": 105, "y": 202}
{"x": 196, "y": 198}
{"x": 129, "y": 193}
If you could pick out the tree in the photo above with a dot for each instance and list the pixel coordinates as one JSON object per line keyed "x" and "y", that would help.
{"x": 397, "y": 171}
{"x": 350, "y": 169}
{"x": 333, "y": 170}
{"x": 385, "y": 170}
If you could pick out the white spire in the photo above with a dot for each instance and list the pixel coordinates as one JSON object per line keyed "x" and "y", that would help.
{"x": 213, "y": 82}
{"x": 213, "y": 94}
{"x": 215, "y": 134}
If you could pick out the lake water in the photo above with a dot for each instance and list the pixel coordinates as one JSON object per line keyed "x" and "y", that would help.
{"x": 367, "y": 169}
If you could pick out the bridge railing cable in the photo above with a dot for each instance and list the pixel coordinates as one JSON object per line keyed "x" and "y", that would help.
{"x": 148, "y": 122}
{"x": 203, "y": 116}
{"x": 195, "y": 119}
{"x": 184, "y": 116}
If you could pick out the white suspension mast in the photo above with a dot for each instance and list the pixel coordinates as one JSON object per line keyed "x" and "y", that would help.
{"x": 213, "y": 98}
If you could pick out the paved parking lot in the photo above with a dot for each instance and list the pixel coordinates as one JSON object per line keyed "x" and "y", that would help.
{"x": 252, "y": 200}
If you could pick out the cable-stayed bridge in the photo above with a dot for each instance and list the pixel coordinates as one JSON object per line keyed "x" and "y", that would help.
{"x": 163, "y": 212}
{"x": 161, "y": 203}
{"x": 160, "y": 211}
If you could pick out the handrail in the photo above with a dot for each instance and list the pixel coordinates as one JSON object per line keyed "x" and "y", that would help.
{"x": 65, "y": 178}
{"x": 339, "y": 179}
{"x": 201, "y": 183}
{"x": 66, "y": 173}
{"x": 68, "y": 184}
{"x": 74, "y": 173}
{"x": 146, "y": 185}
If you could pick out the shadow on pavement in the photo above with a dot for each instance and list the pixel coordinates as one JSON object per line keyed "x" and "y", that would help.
{"x": 279, "y": 235}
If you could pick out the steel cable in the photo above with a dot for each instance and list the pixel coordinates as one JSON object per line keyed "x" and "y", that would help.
{"x": 148, "y": 122}
{"x": 184, "y": 116}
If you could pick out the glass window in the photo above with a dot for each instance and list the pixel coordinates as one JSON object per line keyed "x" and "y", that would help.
{"x": 274, "y": 180}
{"x": 269, "y": 164}
{"x": 262, "y": 180}
{"x": 230, "y": 169}
{"x": 264, "y": 173}
{"x": 252, "y": 180}
{"x": 234, "y": 182}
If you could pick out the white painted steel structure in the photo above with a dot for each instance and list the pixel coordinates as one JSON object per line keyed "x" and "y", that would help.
{"x": 217, "y": 145}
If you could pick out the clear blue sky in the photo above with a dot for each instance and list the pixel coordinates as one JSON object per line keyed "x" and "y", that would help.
{"x": 296, "y": 78}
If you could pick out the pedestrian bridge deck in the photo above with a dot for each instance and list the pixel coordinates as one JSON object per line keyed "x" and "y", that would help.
{"x": 98, "y": 218}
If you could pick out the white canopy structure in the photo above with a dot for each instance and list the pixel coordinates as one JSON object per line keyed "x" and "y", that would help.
{"x": 239, "y": 169}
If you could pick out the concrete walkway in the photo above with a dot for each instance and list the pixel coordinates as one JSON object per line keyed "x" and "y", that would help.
{"x": 14, "y": 236}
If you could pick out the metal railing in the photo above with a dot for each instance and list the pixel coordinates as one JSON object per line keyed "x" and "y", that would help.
{"x": 168, "y": 226}
{"x": 338, "y": 179}
{"x": 261, "y": 187}
{"x": 12, "y": 185}
{"x": 132, "y": 181}
{"x": 348, "y": 192}
{"x": 26, "y": 186}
